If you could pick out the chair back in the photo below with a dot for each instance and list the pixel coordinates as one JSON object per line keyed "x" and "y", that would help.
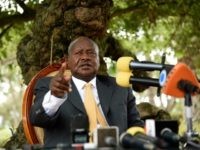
{"x": 33, "y": 134}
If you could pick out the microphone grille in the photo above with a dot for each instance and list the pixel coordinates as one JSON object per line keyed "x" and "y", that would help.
{"x": 135, "y": 130}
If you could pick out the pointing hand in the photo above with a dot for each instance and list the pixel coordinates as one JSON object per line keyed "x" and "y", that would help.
{"x": 60, "y": 84}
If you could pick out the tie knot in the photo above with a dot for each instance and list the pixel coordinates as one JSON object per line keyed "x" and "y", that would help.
{"x": 88, "y": 85}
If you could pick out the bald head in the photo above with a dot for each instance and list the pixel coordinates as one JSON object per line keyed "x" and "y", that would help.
{"x": 71, "y": 45}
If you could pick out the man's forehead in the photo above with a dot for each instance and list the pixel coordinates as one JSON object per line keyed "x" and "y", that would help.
{"x": 83, "y": 40}
{"x": 83, "y": 43}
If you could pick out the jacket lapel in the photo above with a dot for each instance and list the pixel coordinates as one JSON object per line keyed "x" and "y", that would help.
{"x": 105, "y": 91}
{"x": 75, "y": 99}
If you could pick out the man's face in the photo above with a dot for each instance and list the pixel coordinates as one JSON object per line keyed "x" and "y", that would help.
{"x": 83, "y": 60}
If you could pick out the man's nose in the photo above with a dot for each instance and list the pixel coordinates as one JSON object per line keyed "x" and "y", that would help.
{"x": 85, "y": 55}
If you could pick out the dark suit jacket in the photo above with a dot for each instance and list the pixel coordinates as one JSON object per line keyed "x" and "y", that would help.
{"x": 118, "y": 105}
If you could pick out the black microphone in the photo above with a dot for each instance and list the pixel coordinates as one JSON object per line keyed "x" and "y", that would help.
{"x": 125, "y": 79}
{"x": 106, "y": 137}
{"x": 129, "y": 141}
{"x": 127, "y": 64}
{"x": 149, "y": 66}
{"x": 188, "y": 87}
{"x": 79, "y": 129}
{"x": 139, "y": 132}
{"x": 145, "y": 81}
{"x": 168, "y": 135}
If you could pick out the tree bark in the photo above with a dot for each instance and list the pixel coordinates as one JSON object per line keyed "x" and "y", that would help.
{"x": 57, "y": 23}
{"x": 18, "y": 139}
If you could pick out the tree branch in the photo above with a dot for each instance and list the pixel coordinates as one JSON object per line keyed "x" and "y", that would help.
{"x": 22, "y": 5}
{"x": 141, "y": 6}
{"x": 27, "y": 15}
{"x": 5, "y": 30}
{"x": 136, "y": 7}
{"x": 119, "y": 12}
{"x": 16, "y": 18}
{"x": 8, "y": 61}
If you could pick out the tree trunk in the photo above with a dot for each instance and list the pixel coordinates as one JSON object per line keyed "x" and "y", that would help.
{"x": 17, "y": 140}
{"x": 58, "y": 22}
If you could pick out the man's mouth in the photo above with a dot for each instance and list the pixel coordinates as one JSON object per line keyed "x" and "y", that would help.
{"x": 86, "y": 65}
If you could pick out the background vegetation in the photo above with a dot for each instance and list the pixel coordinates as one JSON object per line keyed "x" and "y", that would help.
{"x": 142, "y": 28}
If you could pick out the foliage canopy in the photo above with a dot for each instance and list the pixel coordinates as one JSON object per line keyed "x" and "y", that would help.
{"x": 140, "y": 25}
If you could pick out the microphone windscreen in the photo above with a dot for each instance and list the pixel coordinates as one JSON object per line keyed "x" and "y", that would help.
{"x": 123, "y": 64}
{"x": 139, "y": 132}
{"x": 123, "y": 78}
{"x": 134, "y": 130}
{"x": 132, "y": 142}
{"x": 180, "y": 72}
{"x": 169, "y": 135}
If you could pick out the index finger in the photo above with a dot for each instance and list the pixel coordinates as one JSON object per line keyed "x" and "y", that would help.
{"x": 62, "y": 70}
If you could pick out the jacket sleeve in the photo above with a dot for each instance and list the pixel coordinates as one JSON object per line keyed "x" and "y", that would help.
{"x": 133, "y": 114}
{"x": 38, "y": 117}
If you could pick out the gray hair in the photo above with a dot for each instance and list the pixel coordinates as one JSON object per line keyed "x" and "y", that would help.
{"x": 74, "y": 42}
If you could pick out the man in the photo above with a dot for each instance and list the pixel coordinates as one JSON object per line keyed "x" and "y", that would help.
{"x": 60, "y": 98}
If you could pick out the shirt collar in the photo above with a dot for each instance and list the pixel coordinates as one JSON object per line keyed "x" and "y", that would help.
{"x": 80, "y": 83}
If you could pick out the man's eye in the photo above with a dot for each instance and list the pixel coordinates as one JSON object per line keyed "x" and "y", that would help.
{"x": 92, "y": 53}
{"x": 79, "y": 53}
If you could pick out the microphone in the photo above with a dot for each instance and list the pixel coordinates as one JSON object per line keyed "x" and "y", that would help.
{"x": 127, "y": 64}
{"x": 181, "y": 80}
{"x": 125, "y": 79}
{"x": 164, "y": 130}
{"x": 168, "y": 135}
{"x": 139, "y": 132}
{"x": 106, "y": 137}
{"x": 188, "y": 87}
{"x": 129, "y": 141}
{"x": 79, "y": 129}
